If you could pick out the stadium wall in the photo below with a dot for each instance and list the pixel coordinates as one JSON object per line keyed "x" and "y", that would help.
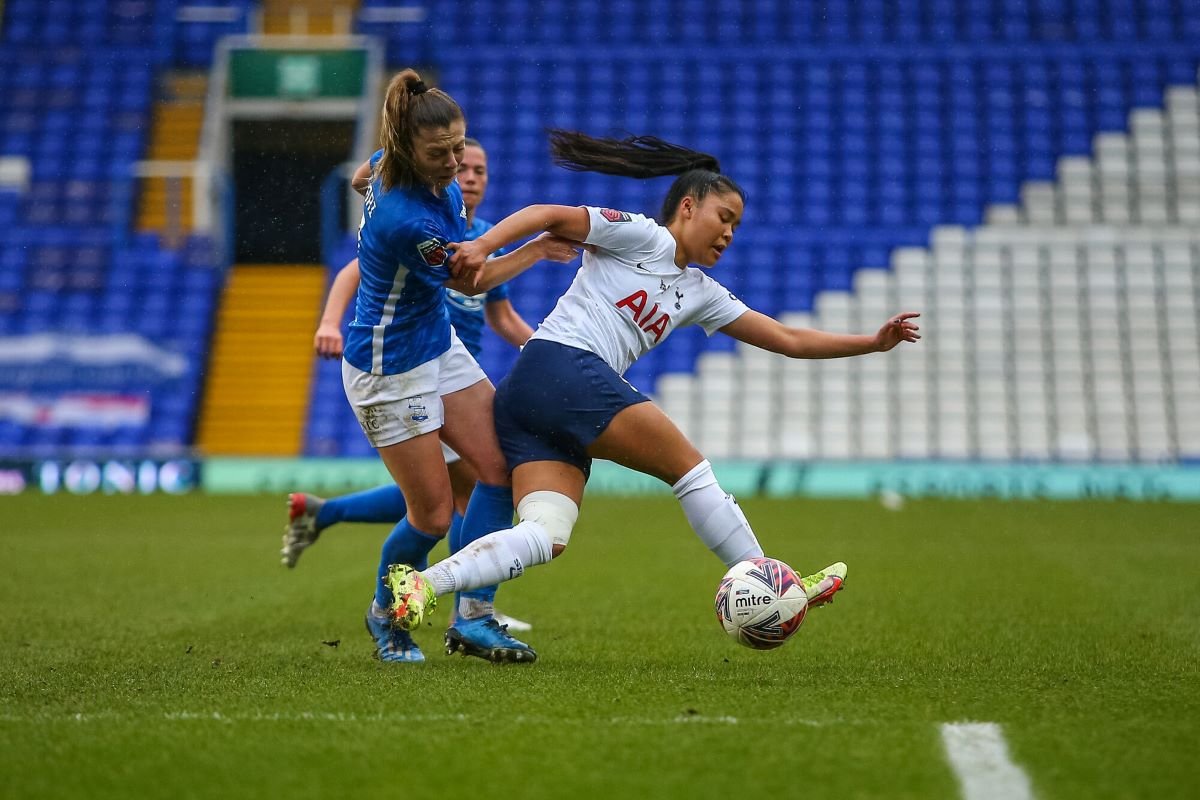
{"x": 888, "y": 480}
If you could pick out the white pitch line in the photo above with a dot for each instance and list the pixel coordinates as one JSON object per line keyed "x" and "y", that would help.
{"x": 979, "y": 756}
{"x": 226, "y": 717}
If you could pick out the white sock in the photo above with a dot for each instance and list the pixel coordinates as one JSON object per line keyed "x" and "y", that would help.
{"x": 715, "y": 516}
{"x": 491, "y": 559}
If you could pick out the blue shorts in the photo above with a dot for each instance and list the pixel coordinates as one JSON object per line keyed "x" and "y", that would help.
{"x": 554, "y": 403}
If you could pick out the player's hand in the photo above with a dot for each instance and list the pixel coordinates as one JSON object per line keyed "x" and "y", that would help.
{"x": 556, "y": 248}
{"x": 896, "y": 330}
{"x": 328, "y": 341}
{"x": 467, "y": 261}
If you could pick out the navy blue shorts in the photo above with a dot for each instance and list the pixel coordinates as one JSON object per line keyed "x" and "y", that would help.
{"x": 554, "y": 403}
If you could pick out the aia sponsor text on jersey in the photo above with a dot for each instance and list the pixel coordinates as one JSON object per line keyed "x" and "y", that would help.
{"x": 652, "y": 320}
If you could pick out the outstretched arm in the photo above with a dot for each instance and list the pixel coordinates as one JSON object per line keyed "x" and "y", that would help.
{"x": 328, "y": 340}
{"x": 771, "y": 334}
{"x": 496, "y": 271}
{"x": 507, "y": 323}
{"x": 566, "y": 222}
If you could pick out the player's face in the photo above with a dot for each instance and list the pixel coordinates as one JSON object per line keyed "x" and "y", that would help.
{"x": 709, "y": 226}
{"x": 473, "y": 176}
{"x": 437, "y": 152}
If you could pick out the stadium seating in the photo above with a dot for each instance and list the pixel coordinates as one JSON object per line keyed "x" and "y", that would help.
{"x": 197, "y": 27}
{"x": 858, "y": 130}
{"x": 408, "y": 26}
{"x": 126, "y": 319}
{"x": 175, "y": 32}
{"x": 878, "y": 150}
{"x": 332, "y": 429}
{"x": 1066, "y": 330}
{"x": 872, "y": 138}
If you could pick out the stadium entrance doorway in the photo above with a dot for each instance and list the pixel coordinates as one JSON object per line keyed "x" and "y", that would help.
{"x": 278, "y": 169}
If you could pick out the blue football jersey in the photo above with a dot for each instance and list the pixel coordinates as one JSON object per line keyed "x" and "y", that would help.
{"x": 466, "y": 311}
{"x": 400, "y": 318}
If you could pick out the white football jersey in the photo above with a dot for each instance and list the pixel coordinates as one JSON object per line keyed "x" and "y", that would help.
{"x": 628, "y": 296}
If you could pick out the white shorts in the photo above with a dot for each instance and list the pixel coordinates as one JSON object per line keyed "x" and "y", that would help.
{"x": 396, "y": 408}
{"x": 449, "y": 454}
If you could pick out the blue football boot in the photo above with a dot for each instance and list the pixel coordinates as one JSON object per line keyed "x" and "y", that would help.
{"x": 392, "y": 644}
{"x": 487, "y": 639}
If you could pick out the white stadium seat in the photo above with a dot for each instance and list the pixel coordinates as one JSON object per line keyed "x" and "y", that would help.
{"x": 1065, "y": 327}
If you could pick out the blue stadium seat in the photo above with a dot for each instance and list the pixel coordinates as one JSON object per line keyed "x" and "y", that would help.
{"x": 837, "y": 118}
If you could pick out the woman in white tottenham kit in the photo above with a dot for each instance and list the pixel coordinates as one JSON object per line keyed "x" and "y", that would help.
{"x": 565, "y": 402}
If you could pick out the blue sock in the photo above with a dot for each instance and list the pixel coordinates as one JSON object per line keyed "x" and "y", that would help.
{"x": 405, "y": 545}
{"x": 454, "y": 537}
{"x": 490, "y": 509}
{"x": 381, "y": 504}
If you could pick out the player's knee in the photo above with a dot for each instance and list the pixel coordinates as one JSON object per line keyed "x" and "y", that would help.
{"x": 555, "y": 512}
{"x": 490, "y": 468}
{"x": 434, "y": 520}
{"x": 495, "y": 474}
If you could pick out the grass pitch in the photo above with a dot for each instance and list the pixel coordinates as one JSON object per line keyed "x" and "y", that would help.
{"x": 153, "y": 647}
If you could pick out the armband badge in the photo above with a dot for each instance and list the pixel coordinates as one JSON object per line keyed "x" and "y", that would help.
{"x": 612, "y": 215}
{"x": 433, "y": 252}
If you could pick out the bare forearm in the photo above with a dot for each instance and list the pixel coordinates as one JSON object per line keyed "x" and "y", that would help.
{"x": 528, "y": 221}
{"x": 502, "y": 268}
{"x": 808, "y": 343}
{"x": 362, "y": 178}
{"x": 507, "y": 323}
{"x": 345, "y": 285}
{"x": 770, "y": 334}
{"x": 518, "y": 333}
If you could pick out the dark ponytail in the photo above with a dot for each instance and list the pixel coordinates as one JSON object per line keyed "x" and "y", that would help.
{"x": 644, "y": 157}
{"x": 408, "y": 106}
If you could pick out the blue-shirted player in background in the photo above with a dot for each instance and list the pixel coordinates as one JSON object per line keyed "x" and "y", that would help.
{"x": 309, "y": 515}
{"x": 409, "y": 378}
